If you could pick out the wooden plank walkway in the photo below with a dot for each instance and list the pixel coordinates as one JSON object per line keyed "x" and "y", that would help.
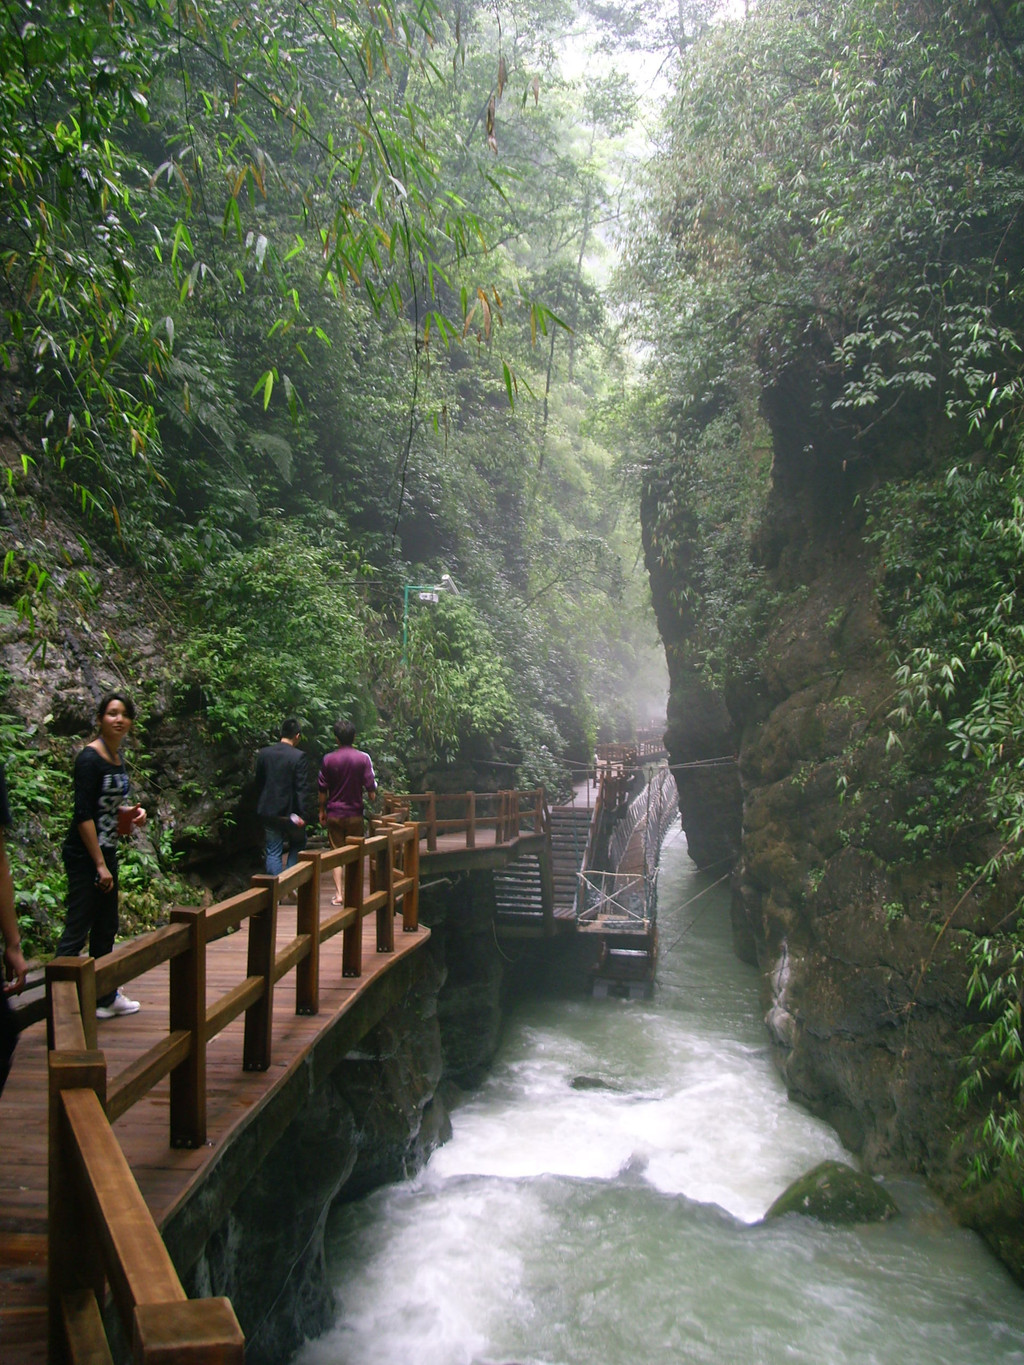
{"x": 164, "y": 1174}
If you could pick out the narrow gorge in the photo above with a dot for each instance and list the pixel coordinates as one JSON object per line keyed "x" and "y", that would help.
{"x": 857, "y": 931}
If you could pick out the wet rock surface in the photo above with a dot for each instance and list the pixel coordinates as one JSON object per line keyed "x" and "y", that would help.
{"x": 857, "y": 934}
{"x": 460, "y": 916}
{"x": 592, "y": 1083}
{"x": 836, "y": 1194}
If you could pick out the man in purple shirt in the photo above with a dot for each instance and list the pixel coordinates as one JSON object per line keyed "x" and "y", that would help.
{"x": 345, "y": 774}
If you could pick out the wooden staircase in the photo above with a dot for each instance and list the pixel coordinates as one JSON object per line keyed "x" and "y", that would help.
{"x": 570, "y": 829}
{"x": 519, "y": 886}
{"x": 518, "y": 893}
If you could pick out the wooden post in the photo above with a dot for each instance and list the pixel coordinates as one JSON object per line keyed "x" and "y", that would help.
{"x": 307, "y": 921}
{"x": 431, "y": 822}
{"x": 538, "y": 811}
{"x": 74, "y": 1258}
{"x": 352, "y": 937}
{"x": 411, "y": 899}
{"x": 257, "y": 1042}
{"x": 188, "y": 1011}
{"x": 471, "y": 819}
{"x": 82, "y": 971}
{"x": 84, "y": 1333}
{"x": 386, "y": 912}
{"x": 187, "y": 1332}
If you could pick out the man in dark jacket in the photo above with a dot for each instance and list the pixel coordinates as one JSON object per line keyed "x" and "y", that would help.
{"x": 282, "y": 779}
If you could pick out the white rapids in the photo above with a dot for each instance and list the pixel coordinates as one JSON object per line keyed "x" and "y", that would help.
{"x": 620, "y": 1225}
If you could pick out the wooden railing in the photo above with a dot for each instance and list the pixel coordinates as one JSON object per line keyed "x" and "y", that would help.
{"x": 101, "y": 1231}
{"x": 99, "y": 1226}
{"x": 617, "y": 757}
{"x": 508, "y": 813}
{"x": 651, "y": 741}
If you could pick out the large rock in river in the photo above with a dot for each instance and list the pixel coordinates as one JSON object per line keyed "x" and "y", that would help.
{"x": 835, "y": 1193}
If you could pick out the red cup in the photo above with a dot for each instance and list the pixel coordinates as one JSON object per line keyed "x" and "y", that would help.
{"x": 126, "y": 819}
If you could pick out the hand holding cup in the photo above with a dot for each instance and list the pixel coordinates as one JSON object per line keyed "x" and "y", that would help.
{"x": 129, "y": 818}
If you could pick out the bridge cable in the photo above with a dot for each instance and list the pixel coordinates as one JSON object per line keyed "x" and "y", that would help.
{"x": 691, "y": 901}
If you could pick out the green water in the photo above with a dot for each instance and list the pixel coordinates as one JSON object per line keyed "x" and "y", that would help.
{"x": 620, "y": 1226}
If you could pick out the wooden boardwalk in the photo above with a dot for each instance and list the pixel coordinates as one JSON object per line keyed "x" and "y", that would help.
{"x": 165, "y": 1175}
{"x": 487, "y": 832}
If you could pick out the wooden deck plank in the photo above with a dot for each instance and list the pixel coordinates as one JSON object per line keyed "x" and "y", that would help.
{"x": 163, "y": 1173}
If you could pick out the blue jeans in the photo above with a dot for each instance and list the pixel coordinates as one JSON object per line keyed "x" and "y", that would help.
{"x": 277, "y": 836}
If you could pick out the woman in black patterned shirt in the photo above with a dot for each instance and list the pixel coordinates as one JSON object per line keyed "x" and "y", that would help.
{"x": 90, "y": 849}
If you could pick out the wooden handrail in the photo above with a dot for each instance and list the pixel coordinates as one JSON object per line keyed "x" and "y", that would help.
{"x": 506, "y": 818}
{"x": 134, "y": 959}
{"x": 228, "y": 915}
{"x": 137, "y": 1080}
{"x": 68, "y": 1031}
{"x": 90, "y": 1182}
{"x": 183, "y": 943}
{"x": 100, "y": 1229}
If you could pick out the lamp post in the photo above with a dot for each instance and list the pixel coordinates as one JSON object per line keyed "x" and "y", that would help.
{"x": 425, "y": 592}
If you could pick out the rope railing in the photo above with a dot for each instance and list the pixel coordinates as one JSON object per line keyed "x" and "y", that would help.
{"x": 656, "y": 806}
{"x": 614, "y": 898}
{"x": 100, "y": 1229}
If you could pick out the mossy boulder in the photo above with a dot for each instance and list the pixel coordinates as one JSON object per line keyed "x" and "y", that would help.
{"x": 592, "y": 1083}
{"x": 835, "y": 1193}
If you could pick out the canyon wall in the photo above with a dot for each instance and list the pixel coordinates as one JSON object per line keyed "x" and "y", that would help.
{"x": 858, "y": 938}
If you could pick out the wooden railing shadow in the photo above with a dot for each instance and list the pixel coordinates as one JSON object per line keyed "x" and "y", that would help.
{"x": 100, "y": 1229}
{"x": 508, "y": 813}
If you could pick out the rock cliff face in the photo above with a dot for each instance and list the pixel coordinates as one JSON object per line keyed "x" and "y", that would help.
{"x": 460, "y": 915}
{"x": 863, "y": 974}
{"x": 198, "y": 792}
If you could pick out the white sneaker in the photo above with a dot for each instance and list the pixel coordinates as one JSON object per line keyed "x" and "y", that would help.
{"x": 119, "y": 1005}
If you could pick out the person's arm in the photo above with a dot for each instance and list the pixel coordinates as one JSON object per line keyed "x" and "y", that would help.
{"x": 14, "y": 959}
{"x": 321, "y": 792}
{"x": 87, "y": 833}
{"x": 88, "y": 778}
{"x": 301, "y": 793}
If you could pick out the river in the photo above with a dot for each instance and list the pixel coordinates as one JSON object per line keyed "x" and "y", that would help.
{"x": 620, "y": 1226}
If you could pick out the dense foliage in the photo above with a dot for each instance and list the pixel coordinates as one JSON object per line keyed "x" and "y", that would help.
{"x": 285, "y": 280}
{"x": 297, "y": 310}
{"x": 831, "y": 239}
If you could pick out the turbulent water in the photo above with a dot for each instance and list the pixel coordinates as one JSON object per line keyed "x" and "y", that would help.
{"x": 619, "y": 1226}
